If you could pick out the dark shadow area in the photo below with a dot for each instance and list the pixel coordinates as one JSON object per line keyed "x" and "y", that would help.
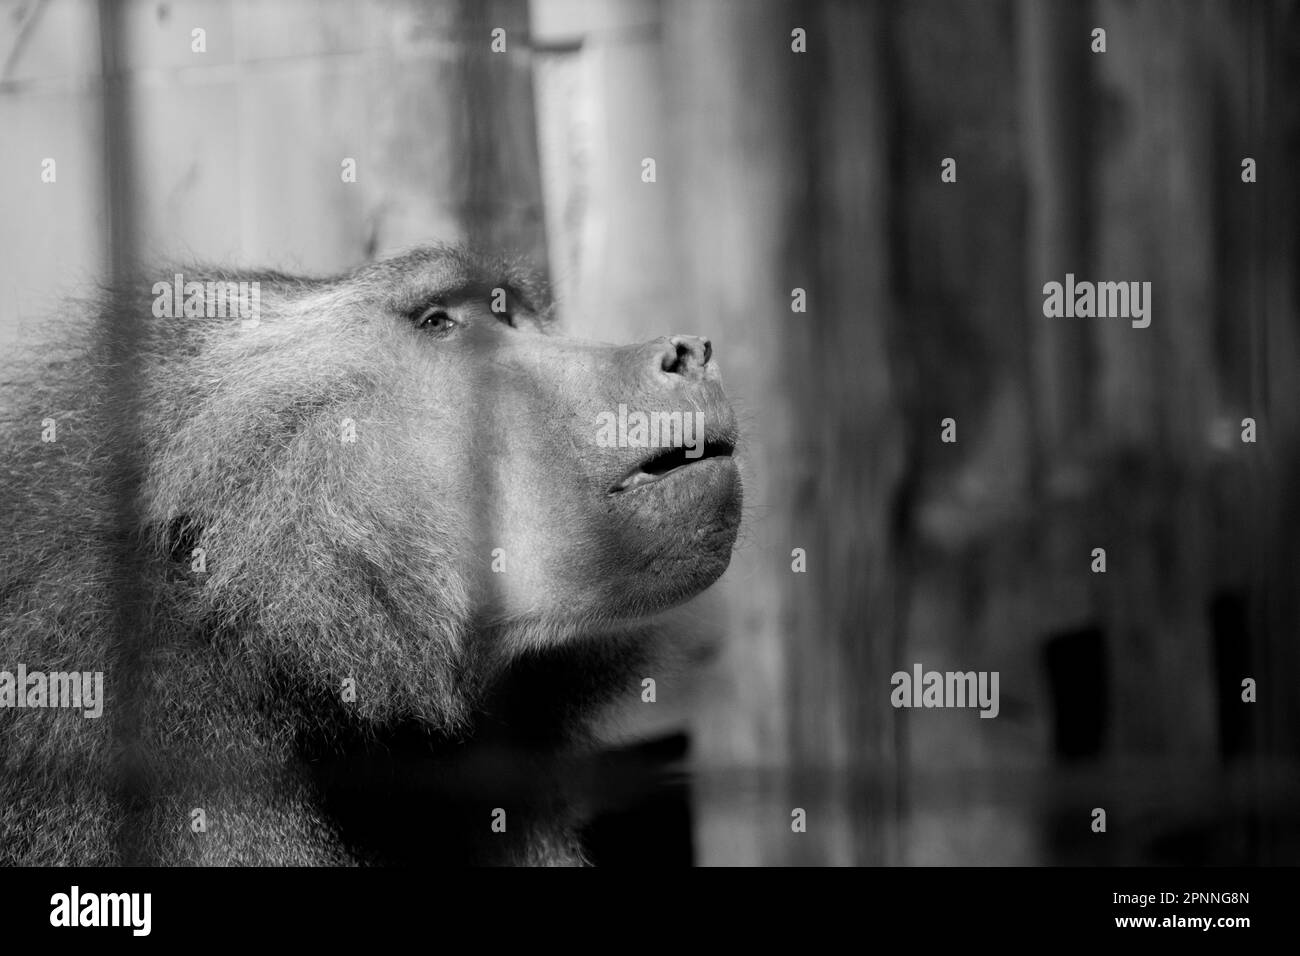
{"x": 1076, "y": 672}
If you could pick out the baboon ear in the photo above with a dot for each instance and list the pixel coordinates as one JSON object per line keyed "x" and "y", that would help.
{"x": 183, "y": 534}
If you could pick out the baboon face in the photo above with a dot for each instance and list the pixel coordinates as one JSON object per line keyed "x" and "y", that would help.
{"x": 562, "y": 518}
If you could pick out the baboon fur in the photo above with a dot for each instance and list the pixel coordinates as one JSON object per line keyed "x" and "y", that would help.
{"x": 328, "y": 561}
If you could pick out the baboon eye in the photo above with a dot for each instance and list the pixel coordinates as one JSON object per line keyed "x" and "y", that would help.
{"x": 435, "y": 319}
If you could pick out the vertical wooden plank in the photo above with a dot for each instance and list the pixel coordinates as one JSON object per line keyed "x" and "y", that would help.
{"x": 963, "y": 349}
{"x": 785, "y": 159}
{"x": 1274, "y": 125}
{"x": 453, "y": 133}
{"x": 50, "y": 108}
{"x": 615, "y": 257}
{"x": 302, "y": 104}
{"x": 736, "y": 152}
{"x": 1157, "y": 385}
{"x": 1053, "y": 49}
{"x": 619, "y": 256}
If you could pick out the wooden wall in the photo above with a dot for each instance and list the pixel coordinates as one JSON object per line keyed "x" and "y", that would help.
{"x": 822, "y": 171}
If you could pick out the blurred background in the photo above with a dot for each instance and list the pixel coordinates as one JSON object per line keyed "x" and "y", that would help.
{"x": 776, "y": 171}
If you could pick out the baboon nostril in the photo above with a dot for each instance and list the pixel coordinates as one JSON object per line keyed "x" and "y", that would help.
{"x": 689, "y": 351}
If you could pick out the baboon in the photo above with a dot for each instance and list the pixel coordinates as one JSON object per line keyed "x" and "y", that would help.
{"x": 355, "y": 576}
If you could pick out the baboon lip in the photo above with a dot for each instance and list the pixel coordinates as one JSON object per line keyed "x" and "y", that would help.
{"x": 664, "y": 462}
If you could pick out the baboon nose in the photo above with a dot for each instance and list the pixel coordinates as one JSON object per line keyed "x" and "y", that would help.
{"x": 687, "y": 355}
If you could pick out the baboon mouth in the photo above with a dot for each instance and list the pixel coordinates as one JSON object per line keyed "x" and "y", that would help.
{"x": 668, "y": 461}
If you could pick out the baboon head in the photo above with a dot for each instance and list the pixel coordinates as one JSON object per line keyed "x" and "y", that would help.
{"x": 405, "y": 470}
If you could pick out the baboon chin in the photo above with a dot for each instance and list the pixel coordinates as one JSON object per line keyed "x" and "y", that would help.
{"x": 369, "y": 554}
